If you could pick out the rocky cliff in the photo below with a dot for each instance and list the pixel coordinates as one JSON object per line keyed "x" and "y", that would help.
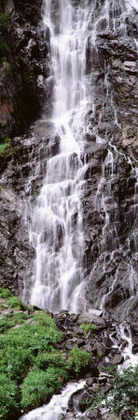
{"x": 24, "y": 66}
{"x": 110, "y": 257}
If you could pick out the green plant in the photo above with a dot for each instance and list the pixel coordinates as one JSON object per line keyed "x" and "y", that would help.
{"x": 87, "y": 327}
{"x": 95, "y": 401}
{"x": 78, "y": 359}
{"x": 28, "y": 359}
{"x": 12, "y": 319}
{"x": 124, "y": 395}
{"x": 7, "y": 66}
{"x": 4, "y": 146}
{"x": 15, "y": 302}
{"x": 9, "y": 398}
{"x": 4, "y": 24}
{"x": 5, "y": 324}
{"x": 38, "y": 386}
{"x": 5, "y": 293}
{"x": 129, "y": 132}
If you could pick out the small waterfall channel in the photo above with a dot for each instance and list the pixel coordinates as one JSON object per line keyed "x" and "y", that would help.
{"x": 57, "y": 407}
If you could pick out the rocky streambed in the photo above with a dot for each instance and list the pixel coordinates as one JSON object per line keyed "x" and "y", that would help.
{"x": 91, "y": 334}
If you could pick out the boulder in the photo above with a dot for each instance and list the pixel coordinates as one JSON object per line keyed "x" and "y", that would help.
{"x": 91, "y": 318}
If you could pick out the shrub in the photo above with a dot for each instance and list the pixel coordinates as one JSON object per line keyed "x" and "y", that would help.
{"x": 9, "y": 401}
{"x": 20, "y": 346}
{"x": 38, "y": 386}
{"x": 6, "y": 323}
{"x": 15, "y": 302}
{"x": 4, "y": 24}
{"x": 18, "y": 361}
{"x": 78, "y": 359}
{"x": 124, "y": 395}
{"x": 53, "y": 359}
{"x": 5, "y": 293}
{"x": 3, "y": 147}
{"x": 87, "y": 327}
{"x": 12, "y": 319}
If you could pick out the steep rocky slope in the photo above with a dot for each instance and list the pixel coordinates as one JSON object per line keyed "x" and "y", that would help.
{"x": 110, "y": 257}
{"x": 60, "y": 349}
{"x": 24, "y": 66}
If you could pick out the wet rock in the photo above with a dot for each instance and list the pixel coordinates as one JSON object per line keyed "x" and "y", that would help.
{"x": 117, "y": 359}
{"x": 78, "y": 331}
{"x": 99, "y": 349}
{"x": 106, "y": 388}
{"x": 77, "y": 401}
{"x": 90, "y": 381}
{"x": 94, "y": 370}
{"x": 135, "y": 345}
{"x": 91, "y": 318}
{"x": 73, "y": 342}
{"x": 88, "y": 348}
{"x": 110, "y": 417}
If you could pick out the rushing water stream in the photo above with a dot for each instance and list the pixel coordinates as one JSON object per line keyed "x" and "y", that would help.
{"x": 57, "y": 407}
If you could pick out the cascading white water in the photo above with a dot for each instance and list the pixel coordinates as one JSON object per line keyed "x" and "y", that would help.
{"x": 58, "y": 405}
{"x": 56, "y": 229}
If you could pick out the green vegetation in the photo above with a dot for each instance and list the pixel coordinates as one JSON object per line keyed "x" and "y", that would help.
{"x": 125, "y": 392}
{"x": 15, "y": 302}
{"x": 11, "y": 320}
{"x": 87, "y": 327}
{"x": 9, "y": 398}
{"x": 123, "y": 397}
{"x": 129, "y": 132}
{"x": 4, "y": 146}
{"x": 38, "y": 386}
{"x": 120, "y": 150}
{"x": 4, "y": 24}
{"x": 78, "y": 359}
{"x": 31, "y": 367}
{"x": 5, "y": 293}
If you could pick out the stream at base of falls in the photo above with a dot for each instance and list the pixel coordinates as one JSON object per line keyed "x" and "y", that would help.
{"x": 57, "y": 408}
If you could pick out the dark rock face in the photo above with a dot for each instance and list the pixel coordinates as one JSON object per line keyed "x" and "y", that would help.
{"x": 22, "y": 171}
{"x": 24, "y": 69}
{"x": 109, "y": 195}
{"x": 110, "y": 190}
{"x": 109, "y": 209}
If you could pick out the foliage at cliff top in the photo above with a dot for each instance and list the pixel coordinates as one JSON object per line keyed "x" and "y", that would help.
{"x": 31, "y": 367}
{"x": 4, "y": 25}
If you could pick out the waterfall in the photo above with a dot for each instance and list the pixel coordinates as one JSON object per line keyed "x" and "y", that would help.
{"x": 56, "y": 229}
{"x": 75, "y": 252}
